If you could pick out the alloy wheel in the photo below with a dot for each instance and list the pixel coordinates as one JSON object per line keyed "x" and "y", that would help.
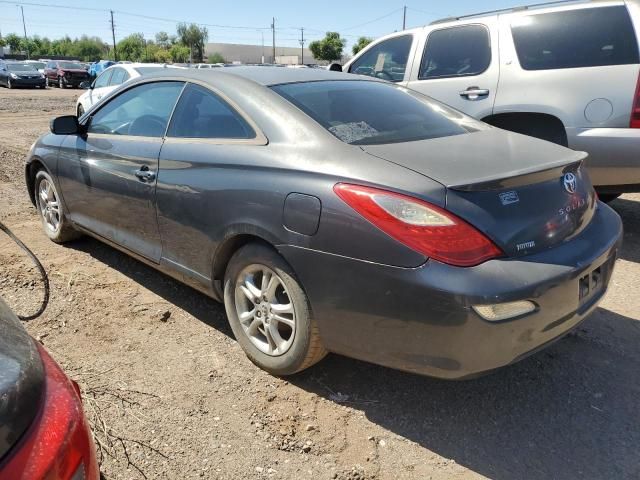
{"x": 265, "y": 310}
{"x": 49, "y": 205}
{"x": 60, "y": 84}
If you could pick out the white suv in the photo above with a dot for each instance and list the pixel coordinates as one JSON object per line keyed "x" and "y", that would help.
{"x": 566, "y": 72}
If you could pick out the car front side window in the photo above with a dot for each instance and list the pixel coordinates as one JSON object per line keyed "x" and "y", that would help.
{"x": 142, "y": 111}
{"x": 386, "y": 60}
{"x": 117, "y": 77}
{"x": 456, "y": 52}
{"x": 103, "y": 79}
{"x": 202, "y": 114}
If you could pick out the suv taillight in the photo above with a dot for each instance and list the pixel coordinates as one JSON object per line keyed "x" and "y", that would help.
{"x": 421, "y": 226}
{"x": 635, "y": 109}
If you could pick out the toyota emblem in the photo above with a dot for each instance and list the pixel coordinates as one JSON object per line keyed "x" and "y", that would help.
{"x": 569, "y": 180}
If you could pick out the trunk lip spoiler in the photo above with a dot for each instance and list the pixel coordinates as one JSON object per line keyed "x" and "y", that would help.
{"x": 527, "y": 177}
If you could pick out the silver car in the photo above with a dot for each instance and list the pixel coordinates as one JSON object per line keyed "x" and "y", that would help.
{"x": 566, "y": 73}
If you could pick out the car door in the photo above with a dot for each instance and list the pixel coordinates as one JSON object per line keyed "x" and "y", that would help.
{"x": 99, "y": 87}
{"x": 386, "y": 59}
{"x": 108, "y": 175}
{"x": 207, "y": 138}
{"x": 459, "y": 65}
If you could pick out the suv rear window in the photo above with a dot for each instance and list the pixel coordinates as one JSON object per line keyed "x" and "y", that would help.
{"x": 361, "y": 112}
{"x": 589, "y": 37}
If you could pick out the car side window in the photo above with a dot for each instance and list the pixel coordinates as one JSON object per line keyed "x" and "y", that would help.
{"x": 117, "y": 77}
{"x": 142, "y": 111}
{"x": 386, "y": 60}
{"x": 456, "y": 52}
{"x": 200, "y": 113}
{"x": 103, "y": 79}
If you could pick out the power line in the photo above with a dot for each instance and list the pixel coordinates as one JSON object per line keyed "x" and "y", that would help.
{"x": 374, "y": 20}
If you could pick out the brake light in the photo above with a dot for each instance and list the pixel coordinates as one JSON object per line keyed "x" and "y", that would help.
{"x": 58, "y": 445}
{"x": 635, "y": 109}
{"x": 419, "y": 225}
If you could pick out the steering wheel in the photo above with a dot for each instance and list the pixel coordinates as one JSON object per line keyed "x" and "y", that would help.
{"x": 147, "y": 126}
{"x": 384, "y": 75}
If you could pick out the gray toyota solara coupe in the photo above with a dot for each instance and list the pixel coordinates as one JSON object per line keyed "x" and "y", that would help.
{"x": 334, "y": 213}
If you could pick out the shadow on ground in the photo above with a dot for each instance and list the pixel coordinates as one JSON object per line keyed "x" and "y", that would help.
{"x": 629, "y": 210}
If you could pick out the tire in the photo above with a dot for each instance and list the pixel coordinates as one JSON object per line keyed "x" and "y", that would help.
{"x": 46, "y": 82}
{"x": 60, "y": 83}
{"x": 9, "y": 84}
{"x": 302, "y": 336}
{"x": 608, "y": 197}
{"x": 80, "y": 110}
{"x": 56, "y": 225}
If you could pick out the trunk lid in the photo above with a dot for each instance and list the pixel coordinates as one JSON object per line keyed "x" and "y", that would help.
{"x": 21, "y": 380}
{"x": 523, "y": 193}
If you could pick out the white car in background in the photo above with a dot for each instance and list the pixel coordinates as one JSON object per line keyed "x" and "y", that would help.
{"x": 111, "y": 79}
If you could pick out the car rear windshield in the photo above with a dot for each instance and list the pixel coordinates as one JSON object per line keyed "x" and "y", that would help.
{"x": 20, "y": 67}
{"x": 589, "y": 37}
{"x": 70, "y": 65}
{"x": 364, "y": 112}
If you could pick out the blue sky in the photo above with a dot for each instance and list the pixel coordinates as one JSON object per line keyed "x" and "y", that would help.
{"x": 350, "y": 18}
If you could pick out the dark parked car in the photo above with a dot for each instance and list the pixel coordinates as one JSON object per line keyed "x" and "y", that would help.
{"x": 338, "y": 213}
{"x": 15, "y": 74}
{"x": 45, "y": 434}
{"x": 65, "y": 74}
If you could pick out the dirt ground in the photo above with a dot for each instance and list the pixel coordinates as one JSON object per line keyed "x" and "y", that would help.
{"x": 171, "y": 395}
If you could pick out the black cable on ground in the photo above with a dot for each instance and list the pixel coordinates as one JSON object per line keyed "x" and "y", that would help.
{"x": 43, "y": 273}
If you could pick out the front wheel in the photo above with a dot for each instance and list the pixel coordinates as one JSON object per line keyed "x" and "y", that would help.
{"x": 269, "y": 312}
{"x": 80, "y": 110}
{"x": 9, "y": 84}
{"x": 54, "y": 222}
{"x": 60, "y": 82}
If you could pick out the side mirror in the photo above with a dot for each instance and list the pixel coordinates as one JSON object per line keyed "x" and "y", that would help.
{"x": 86, "y": 85}
{"x": 65, "y": 125}
{"x": 335, "y": 67}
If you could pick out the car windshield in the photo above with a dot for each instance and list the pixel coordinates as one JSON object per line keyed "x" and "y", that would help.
{"x": 369, "y": 113}
{"x": 20, "y": 67}
{"x": 70, "y": 65}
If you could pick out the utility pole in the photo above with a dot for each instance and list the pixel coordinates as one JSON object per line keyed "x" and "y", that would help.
{"x": 113, "y": 35}
{"x": 302, "y": 47}
{"x": 404, "y": 18}
{"x": 24, "y": 26}
{"x": 273, "y": 31}
{"x": 262, "y": 37}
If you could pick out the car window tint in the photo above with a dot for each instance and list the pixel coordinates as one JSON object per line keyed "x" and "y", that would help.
{"x": 140, "y": 111}
{"x": 578, "y": 38}
{"x": 369, "y": 113}
{"x": 386, "y": 60}
{"x": 202, "y": 114}
{"x": 117, "y": 77}
{"x": 103, "y": 79}
{"x": 456, "y": 52}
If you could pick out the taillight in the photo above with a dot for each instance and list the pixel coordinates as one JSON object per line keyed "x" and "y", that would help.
{"x": 58, "y": 445}
{"x": 419, "y": 225}
{"x": 635, "y": 109}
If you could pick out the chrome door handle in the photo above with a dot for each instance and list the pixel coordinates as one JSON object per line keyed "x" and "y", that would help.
{"x": 145, "y": 175}
{"x": 473, "y": 93}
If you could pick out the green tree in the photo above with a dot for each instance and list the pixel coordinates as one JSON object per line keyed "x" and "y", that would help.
{"x": 132, "y": 47}
{"x": 88, "y": 48}
{"x": 179, "y": 53}
{"x": 14, "y": 42}
{"x": 195, "y": 38}
{"x": 162, "y": 40}
{"x": 360, "y": 44}
{"x": 329, "y": 48}
{"x": 216, "y": 58}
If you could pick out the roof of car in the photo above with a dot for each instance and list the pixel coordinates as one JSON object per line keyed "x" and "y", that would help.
{"x": 266, "y": 76}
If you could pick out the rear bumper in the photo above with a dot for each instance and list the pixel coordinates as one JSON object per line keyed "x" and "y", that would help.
{"x": 421, "y": 320}
{"x": 614, "y": 154}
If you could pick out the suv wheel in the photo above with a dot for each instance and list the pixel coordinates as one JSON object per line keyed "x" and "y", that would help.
{"x": 269, "y": 312}
{"x": 54, "y": 222}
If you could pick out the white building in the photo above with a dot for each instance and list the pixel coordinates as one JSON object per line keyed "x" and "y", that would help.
{"x": 237, "y": 52}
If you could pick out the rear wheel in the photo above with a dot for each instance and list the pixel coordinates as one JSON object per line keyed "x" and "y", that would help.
{"x": 54, "y": 222}
{"x": 269, "y": 312}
